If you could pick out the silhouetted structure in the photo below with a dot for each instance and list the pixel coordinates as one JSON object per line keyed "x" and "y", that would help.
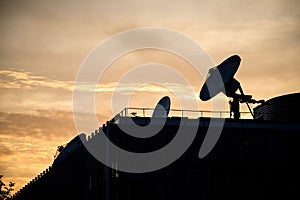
{"x": 162, "y": 108}
{"x": 221, "y": 79}
{"x": 284, "y": 108}
{"x": 253, "y": 159}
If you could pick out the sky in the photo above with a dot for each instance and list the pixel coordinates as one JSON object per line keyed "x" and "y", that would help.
{"x": 44, "y": 43}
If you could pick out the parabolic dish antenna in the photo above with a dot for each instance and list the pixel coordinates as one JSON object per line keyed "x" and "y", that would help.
{"x": 162, "y": 108}
{"x": 220, "y": 79}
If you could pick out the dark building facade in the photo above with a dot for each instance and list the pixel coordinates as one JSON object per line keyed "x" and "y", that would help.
{"x": 253, "y": 159}
{"x": 284, "y": 108}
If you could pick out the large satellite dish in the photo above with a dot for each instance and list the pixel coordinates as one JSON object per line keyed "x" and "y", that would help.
{"x": 220, "y": 79}
{"x": 162, "y": 108}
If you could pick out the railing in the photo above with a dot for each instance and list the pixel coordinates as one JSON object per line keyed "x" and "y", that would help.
{"x": 32, "y": 183}
{"x": 192, "y": 114}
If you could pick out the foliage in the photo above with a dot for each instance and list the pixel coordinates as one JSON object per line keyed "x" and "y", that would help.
{"x": 5, "y": 191}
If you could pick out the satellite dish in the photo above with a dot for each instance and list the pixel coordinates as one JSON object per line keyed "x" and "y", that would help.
{"x": 162, "y": 108}
{"x": 220, "y": 79}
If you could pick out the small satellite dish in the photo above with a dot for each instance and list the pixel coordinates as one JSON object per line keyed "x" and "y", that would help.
{"x": 134, "y": 114}
{"x": 162, "y": 108}
{"x": 220, "y": 79}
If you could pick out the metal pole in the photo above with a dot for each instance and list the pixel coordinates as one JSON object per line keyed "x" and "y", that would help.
{"x": 242, "y": 93}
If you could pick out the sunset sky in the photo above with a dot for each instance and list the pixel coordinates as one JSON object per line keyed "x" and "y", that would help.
{"x": 43, "y": 44}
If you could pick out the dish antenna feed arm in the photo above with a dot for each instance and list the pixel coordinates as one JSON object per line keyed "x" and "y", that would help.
{"x": 226, "y": 71}
{"x": 230, "y": 88}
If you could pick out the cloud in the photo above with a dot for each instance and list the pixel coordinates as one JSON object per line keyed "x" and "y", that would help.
{"x": 21, "y": 79}
{"x": 42, "y": 37}
{"x": 130, "y": 88}
{"x": 26, "y": 80}
{"x": 28, "y": 142}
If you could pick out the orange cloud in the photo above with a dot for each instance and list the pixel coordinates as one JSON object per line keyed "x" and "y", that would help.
{"x": 46, "y": 44}
{"x": 28, "y": 142}
{"x": 21, "y": 79}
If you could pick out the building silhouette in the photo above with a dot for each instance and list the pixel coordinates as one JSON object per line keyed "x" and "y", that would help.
{"x": 253, "y": 159}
